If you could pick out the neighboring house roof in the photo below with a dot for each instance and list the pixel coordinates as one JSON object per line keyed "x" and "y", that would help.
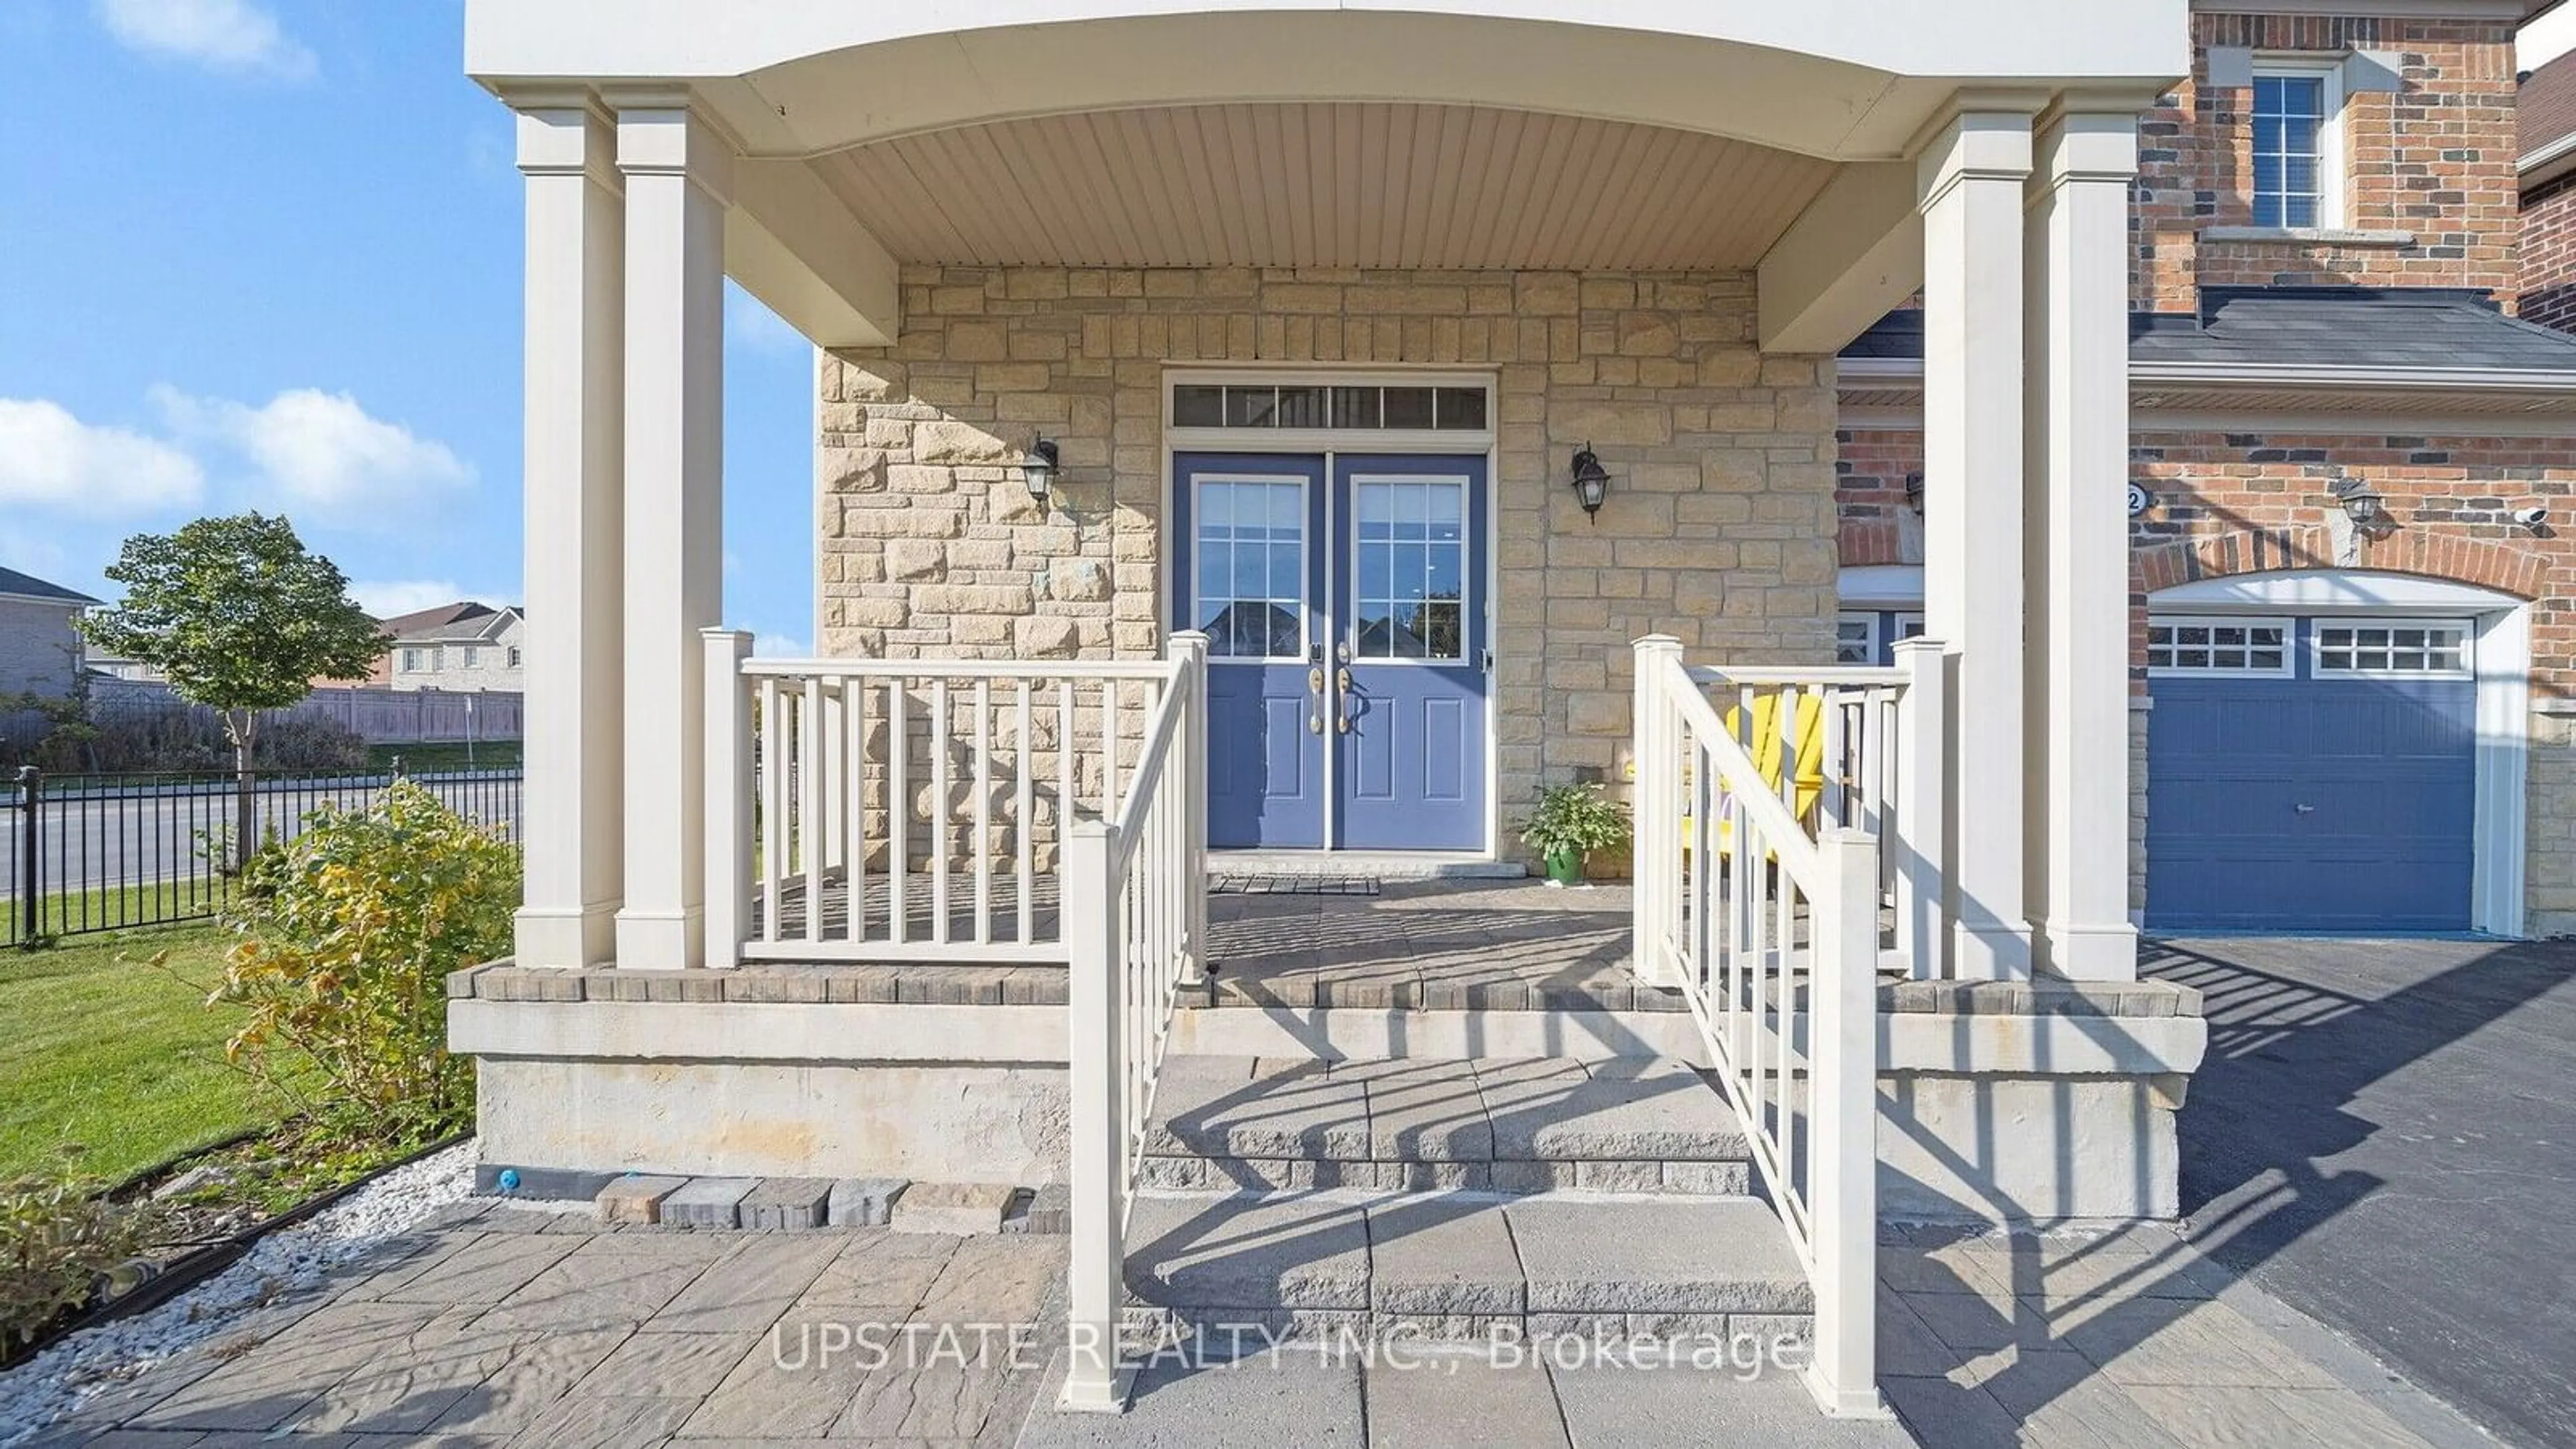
{"x": 2420, "y": 349}
{"x": 28, "y": 586}
{"x": 2545, "y": 119}
{"x": 421, "y": 621}
{"x": 464, "y": 622}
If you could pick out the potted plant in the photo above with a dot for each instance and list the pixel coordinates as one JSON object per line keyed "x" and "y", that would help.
{"x": 1571, "y": 822}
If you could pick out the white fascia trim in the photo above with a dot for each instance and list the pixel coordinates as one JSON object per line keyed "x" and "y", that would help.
{"x": 2329, "y": 591}
{"x": 2422, "y": 379}
{"x": 75, "y": 605}
{"x": 2548, "y": 163}
{"x": 2276, "y": 375}
{"x": 1881, "y": 586}
{"x": 2404, "y": 9}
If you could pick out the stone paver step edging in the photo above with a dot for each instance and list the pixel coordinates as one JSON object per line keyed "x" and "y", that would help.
{"x": 1639, "y": 1125}
{"x": 808, "y": 1203}
{"x": 1463, "y": 1267}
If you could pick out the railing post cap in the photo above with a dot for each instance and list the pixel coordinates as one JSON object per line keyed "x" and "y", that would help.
{"x": 1919, "y": 644}
{"x": 718, "y": 631}
{"x": 1659, "y": 644}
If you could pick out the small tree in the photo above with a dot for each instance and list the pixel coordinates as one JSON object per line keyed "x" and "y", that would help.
{"x": 242, "y": 619}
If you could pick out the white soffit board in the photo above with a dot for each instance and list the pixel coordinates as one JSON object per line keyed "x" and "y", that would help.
{"x": 1341, "y": 184}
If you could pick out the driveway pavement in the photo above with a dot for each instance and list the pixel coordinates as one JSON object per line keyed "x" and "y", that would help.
{"x": 2384, "y": 1136}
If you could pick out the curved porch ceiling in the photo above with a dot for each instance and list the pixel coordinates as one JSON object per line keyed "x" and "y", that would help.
{"x": 1848, "y": 80}
{"x": 1353, "y": 184}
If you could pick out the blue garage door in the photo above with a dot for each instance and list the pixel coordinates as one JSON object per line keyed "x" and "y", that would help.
{"x": 2310, "y": 775}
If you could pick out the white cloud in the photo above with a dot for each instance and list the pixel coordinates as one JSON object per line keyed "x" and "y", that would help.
{"x": 781, "y": 646}
{"x": 225, "y": 35}
{"x": 320, "y": 449}
{"x": 48, "y": 458}
{"x": 386, "y": 598}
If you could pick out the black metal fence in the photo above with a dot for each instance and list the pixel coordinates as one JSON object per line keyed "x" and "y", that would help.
{"x": 86, "y": 853}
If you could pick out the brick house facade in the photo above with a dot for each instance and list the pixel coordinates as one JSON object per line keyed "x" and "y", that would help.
{"x": 2547, "y": 130}
{"x": 2245, "y": 481}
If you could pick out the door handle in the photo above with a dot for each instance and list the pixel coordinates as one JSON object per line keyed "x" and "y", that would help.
{"x": 1342, "y": 705}
{"x": 1315, "y": 680}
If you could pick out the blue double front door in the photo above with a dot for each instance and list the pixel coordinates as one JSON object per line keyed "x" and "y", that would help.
{"x": 1343, "y": 597}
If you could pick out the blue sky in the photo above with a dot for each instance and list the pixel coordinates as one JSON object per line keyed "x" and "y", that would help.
{"x": 266, "y": 253}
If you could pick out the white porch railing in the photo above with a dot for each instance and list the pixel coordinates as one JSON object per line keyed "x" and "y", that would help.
{"x": 907, "y": 810}
{"x": 1770, "y": 926}
{"x": 1135, "y": 928}
{"x": 1874, "y": 723}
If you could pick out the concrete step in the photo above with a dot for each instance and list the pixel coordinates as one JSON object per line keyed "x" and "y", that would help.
{"x": 1631, "y": 1125}
{"x": 1464, "y": 1268}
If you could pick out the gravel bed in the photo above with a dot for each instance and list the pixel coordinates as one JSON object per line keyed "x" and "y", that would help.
{"x": 58, "y": 1381}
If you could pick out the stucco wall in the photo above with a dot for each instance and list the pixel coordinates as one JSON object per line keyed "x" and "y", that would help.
{"x": 39, "y": 648}
{"x": 1719, "y": 526}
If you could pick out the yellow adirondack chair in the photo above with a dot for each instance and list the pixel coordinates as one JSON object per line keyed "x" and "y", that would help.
{"x": 1768, "y": 753}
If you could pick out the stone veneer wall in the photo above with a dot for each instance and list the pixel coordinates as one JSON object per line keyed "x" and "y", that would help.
{"x": 2232, "y": 503}
{"x": 1719, "y": 527}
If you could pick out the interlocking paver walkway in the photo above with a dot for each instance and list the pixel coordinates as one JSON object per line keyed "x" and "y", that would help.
{"x": 515, "y": 1326}
{"x": 523, "y": 1328}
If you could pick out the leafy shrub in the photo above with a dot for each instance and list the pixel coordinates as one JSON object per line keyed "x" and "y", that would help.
{"x": 346, "y": 936}
{"x": 57, "y": 1236}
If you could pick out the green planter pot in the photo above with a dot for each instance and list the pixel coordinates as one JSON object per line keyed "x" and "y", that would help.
{"x": 1565, "y": 867}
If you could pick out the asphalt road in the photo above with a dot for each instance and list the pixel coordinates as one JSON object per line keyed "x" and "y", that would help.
{"x": 135, "y": 835}
{"x": 2384, "y": 1136}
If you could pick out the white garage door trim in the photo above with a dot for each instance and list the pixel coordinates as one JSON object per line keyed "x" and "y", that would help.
{"x": 2503, "y": 666}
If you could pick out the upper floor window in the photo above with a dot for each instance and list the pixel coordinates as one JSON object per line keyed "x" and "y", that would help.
{"x": 411, "y": 660}
{"x": 513, "y": 656}
{"x": 473, "y": 655}
{"x": 2295, "y": 160}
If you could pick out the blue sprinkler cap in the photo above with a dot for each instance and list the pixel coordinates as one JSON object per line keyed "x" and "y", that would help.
{"x": 509, "y": 1179}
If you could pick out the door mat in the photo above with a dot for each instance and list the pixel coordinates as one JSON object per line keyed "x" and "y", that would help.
{"x": 1292, "y": 885}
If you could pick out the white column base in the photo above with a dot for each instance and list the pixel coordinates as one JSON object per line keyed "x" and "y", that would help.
{"x": 1996, "y": 952}
{"x": 2093, "y": 953}
{"x": 661, "y": 940}
{"x": 582, "y": 936}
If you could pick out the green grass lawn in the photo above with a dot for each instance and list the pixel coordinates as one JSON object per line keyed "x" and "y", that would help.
{"x": 101, "y": 1048}
{"x": 119, "y": 908}
{"x": 424, "y": 759}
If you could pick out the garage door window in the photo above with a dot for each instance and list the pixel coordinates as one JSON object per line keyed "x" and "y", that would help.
{"x": 2393, "y": 649}
{"x": 2218, "y": 646}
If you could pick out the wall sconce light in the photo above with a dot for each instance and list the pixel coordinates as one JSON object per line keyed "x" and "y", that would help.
{"x": 1591, "y": 482}
{"x": 2366, "y": 506}
{"x": 1914, "y": 491}
{"x": 1039, "y": 469}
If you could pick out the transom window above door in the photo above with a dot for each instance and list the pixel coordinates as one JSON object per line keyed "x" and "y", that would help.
{"x": 1336, "y": 407}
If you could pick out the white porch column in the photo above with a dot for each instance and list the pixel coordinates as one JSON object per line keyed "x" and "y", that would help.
{"x": 575, "y": 365}
{"x": 2076, "y": 477}
{"x": 1972, "y": 175}
{"x": 678, "y": 174}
